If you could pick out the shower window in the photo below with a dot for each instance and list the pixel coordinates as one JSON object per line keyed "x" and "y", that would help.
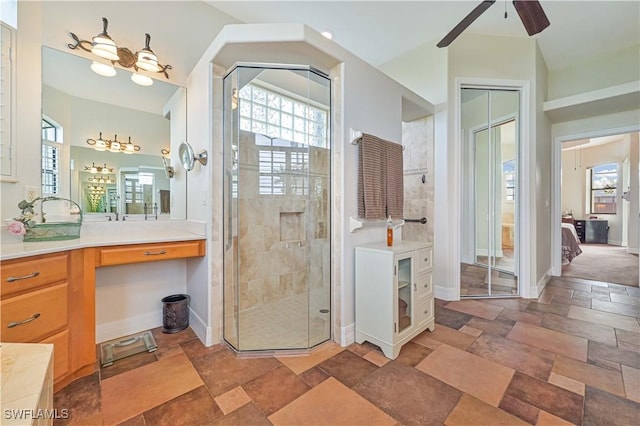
{"x": 279, "y": 163}
{"x": 276, "y": 115}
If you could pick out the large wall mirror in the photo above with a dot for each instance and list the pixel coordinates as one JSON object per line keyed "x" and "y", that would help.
{"x": 79, "y": 105}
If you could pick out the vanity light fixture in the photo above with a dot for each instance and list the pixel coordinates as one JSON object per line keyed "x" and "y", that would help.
{"x": 98, "y": 169}
{"x": 103, "y": 46}
{"x": 113, "y": 146}
{"x": 100, "y": 179}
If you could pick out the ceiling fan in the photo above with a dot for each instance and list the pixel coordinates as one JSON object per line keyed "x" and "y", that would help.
{"x": 531, "y": 14}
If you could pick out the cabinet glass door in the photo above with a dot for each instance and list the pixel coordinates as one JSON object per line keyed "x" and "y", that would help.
{"x": 405, "y": 293}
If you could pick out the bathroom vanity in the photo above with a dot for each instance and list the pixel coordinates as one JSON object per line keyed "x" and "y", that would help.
{"x": 48, "y": 289}
{"x": 394, "y": 294}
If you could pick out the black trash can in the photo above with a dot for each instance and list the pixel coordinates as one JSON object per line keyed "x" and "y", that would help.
{"x": 175, "y": 313}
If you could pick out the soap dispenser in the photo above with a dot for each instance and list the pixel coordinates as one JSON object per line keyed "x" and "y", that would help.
{"x": 389, "y": 232}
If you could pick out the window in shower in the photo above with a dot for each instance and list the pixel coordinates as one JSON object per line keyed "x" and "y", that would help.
{"x": 282, "y": 116}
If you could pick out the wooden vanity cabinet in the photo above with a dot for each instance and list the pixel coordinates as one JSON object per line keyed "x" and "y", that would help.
{"x": 50, "y": 298}
{"x": 41, "y": 298}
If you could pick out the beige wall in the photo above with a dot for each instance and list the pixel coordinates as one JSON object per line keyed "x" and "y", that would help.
{"x": 617, "y": 67}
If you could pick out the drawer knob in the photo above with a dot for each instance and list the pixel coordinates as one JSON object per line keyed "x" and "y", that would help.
{"x": 24, "y": 321}
{"x": 426, "y": 259}
{"x": 154, "y": 253}
{"x": 426, "y": 285}
{"x": 24, "y": 277}
{"x": 426, "y": 311}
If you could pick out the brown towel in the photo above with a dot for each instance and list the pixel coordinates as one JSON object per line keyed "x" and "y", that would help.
{"x": 395, "y": 181}
{"x": 380, "y": 178}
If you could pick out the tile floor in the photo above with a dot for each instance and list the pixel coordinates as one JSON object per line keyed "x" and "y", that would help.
{"x": 570, "y": 357}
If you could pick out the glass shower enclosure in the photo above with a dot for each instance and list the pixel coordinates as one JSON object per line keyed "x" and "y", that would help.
{"x": 276, "y": 221}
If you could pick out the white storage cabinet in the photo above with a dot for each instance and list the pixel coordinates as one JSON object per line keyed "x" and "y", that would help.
{"x": 394, "y": 294}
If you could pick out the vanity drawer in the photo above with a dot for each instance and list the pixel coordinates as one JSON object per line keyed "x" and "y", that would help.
{"x": 25, "y": 274}
{"x": 60, "y": 353}
{"x": 424, "y": 283}
{"x": 35, "y": 315}
{"x": 424, "y": 308}
{"x": 424, "y": 262}
{"x": 137, "y": 253}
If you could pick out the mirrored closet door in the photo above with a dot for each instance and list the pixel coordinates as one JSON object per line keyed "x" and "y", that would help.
{"x": 489, "y": 231}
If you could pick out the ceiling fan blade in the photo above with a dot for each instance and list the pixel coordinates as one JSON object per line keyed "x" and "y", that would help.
{"x": 532, "y": 16}
{"x": 468, "y": 20}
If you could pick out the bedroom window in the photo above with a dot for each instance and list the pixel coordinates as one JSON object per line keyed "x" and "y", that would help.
{"x": 604, "y": 181}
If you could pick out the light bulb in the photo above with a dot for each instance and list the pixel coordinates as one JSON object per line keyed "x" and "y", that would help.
{"x": 141, "y": 79}
{"x": 105, "y": 70}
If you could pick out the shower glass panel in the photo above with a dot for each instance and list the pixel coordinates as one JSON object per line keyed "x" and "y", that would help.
{"x": 277, "y": 169}
{"x": 489, "y": 119}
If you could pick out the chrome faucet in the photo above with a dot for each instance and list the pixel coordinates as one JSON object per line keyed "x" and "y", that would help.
{"x": 116, "y": 213}
{"x": 108, "y": 217}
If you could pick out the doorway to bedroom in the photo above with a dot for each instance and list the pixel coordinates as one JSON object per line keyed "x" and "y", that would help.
{"x": 599, "y": 206}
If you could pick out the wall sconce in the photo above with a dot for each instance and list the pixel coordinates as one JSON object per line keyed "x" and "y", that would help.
{"x": 168, "y": 169}
{"x": 98, "y": 169}
{"x": 103, "y": 46}
{"x": 114, "y": 145}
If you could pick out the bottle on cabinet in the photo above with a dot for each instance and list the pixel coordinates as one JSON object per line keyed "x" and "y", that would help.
{"x": 389, "y": 232}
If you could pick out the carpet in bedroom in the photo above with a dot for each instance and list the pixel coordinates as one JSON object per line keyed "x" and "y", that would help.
{"x": 607, "y": 263}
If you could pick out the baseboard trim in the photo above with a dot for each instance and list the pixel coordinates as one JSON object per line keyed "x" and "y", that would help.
{"x": 633, "y": 250}
{"x": 542, "y": 283}
{"x": 347, "y": 335}
{"x": 200, "y": 328}
{"x": 113, "y": 330}
{"x": 445, "y": 293}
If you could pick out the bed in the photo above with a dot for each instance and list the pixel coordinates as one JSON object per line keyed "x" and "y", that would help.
{"x": 570, "y": 243}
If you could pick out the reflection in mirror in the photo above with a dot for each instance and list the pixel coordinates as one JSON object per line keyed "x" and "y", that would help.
{"x": 79, "y": 105}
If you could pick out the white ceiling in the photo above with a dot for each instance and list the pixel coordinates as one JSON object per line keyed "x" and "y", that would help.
{"x": 378, "y": 31}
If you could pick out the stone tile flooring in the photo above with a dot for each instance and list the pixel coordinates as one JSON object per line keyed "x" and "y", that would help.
{"x": 570, "y": 357}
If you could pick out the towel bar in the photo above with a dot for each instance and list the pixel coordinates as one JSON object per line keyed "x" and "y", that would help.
{"x": 422, "y": 220}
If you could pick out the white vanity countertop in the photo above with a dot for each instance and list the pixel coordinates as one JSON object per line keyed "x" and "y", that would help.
{"x": 27, "y": 381}
{"x": 97, "y": 234}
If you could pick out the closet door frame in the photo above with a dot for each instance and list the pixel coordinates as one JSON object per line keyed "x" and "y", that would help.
{"x": 528, "y": 284}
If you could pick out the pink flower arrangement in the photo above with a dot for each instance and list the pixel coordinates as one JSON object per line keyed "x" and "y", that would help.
{"x": 20, "y": 224}
{"x": 17, "y": 228}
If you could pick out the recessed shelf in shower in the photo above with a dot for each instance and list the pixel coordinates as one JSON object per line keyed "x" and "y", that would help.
{"x": 292, "y": 226}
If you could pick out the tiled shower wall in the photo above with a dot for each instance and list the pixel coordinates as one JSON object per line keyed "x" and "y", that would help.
{"x": 279, "y": 234}
{"x": 418, "y": 139}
